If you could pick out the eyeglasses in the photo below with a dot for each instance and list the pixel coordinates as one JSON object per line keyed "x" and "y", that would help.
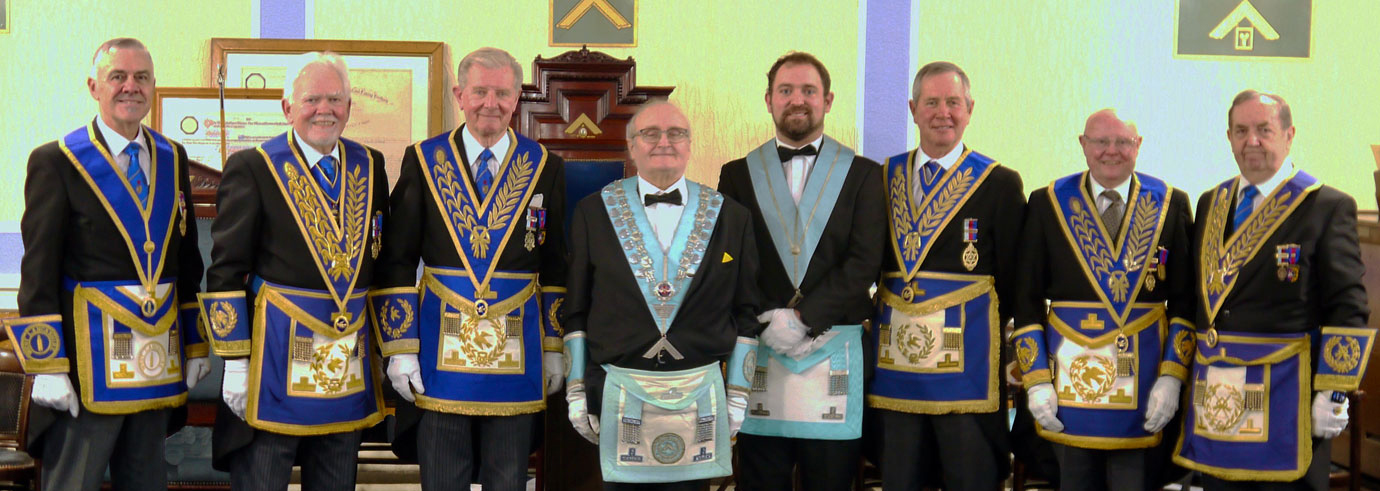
{"x": 1121, "y": 143}
{"x": 673, "y": 135}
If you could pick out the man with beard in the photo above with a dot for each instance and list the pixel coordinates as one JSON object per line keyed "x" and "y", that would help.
{"x": 297, "y": 235}
{"x": 110, "y": 260}
{"x": 662, "y": 291}
{"x": 481, "y": 206}
{"x": 818, "y": 218}
{"x": 1103, "y": 363}
{"x": 1284, "y": 310}
{"x": 955, "y": 218}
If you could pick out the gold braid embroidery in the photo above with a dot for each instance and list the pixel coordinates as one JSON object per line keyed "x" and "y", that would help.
{"x": 1247, "y": 240}
{"x": 1083, "y": 227}
{"x": 507, "y": 199}
{"x": 317, "y": 221}
{"x": 1217, "y": 221}
{"x": 953, "y": 191}
{"x": 1143, "y": 229}
{"x": 900, "y": 212}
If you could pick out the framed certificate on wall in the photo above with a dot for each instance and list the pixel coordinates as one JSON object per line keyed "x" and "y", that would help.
{"x": 191, "y": 115}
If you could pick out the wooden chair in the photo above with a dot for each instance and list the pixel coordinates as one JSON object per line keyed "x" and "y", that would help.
{"x": 18, "y": 470}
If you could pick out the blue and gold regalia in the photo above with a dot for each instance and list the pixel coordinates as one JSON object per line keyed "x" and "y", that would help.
{"x": 1283, "y": 315}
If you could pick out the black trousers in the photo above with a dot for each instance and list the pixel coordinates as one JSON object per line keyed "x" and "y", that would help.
{"x": 765, "y": 463}
{"x": 965, "y": 451}
{"x": 1086, "y": 469}
{"x": 77, "y": 450}
{"x": 328, "y": 462}
{"x": 1314, "y": 479}
{"x": 447, "y": 460}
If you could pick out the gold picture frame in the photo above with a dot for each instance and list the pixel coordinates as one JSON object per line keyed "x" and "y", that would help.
{"x": 191, "y": 115}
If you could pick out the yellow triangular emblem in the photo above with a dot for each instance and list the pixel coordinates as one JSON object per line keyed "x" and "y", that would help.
{"x": 727, "y": 257}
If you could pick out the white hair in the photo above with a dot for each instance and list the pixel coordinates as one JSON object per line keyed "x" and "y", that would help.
{"x": 308, "y": 60}
{"x": 493, "y": 59}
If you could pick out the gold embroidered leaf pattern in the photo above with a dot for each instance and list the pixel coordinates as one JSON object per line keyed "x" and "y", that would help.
{"x": 1142, "y": 229}
{"x": 1254, "y": 233}
{"x": 510, "y": 195}
{"x": 356, "y": 197}
{"x": 900, "y": 208}
{"x": 954, "y": 189}
{"x": 1217, "y": 221}
{"x": 315, "y": 220}
{"x": 1084, "y": 231}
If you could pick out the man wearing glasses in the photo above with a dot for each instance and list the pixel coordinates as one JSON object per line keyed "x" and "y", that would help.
{"x": 477, "y": 346}
{"x": 820, "y": 225}
{"x": 296, "y": 238}
{"x": 662, "y": 290}
{"x": 1103, "y": 364}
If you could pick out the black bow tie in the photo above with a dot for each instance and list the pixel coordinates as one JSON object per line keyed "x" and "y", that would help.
{"x": 671, "y": 198}
{"x": 789, "y": 153}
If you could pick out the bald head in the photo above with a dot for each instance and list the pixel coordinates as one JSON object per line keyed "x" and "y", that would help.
{"x": 659, "y": 143}
{"x": 1110, "y": 145}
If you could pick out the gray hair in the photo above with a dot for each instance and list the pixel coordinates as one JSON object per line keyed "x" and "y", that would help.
{"x": 631, "y": 131}
{"x": 306, "y": 61}
{"x": 103, "y": 52}
{"x": 491, "y": 58}
{"x": 940, "y": 68}
{"x": 1286, "y": 118}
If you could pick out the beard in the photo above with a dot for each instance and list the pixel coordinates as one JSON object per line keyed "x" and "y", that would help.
{"x": 798, "y": 129}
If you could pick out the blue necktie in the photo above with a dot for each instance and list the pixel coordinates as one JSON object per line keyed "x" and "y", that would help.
{"x": 326, "y": 176}
{"x": 483, "y": 177}
{"x": 929, "y": 176}
{"x": 135, "y": 174}
{"x": 1245, "y": 207}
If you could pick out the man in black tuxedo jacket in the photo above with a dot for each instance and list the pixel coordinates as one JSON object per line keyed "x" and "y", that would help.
{"x": 110, "y": 262}
{"x": 820, "y": 223}
{"x": 1282, "y": 325}
{"x": 662, "y": 289}
{"x": 298, "y": 231}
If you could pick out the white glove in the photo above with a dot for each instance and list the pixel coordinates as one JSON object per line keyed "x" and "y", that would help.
{"x": 54, "y": 391}
{"x": 234, "y": 388}
{"x": 737, "y": 411}
{"x": 1329, "y": 418}
{"x": 196, "y": 369}
{"x": 784, "y": 332}
{"x": 587, "y": 425}
{"x": 1164, "y": 402}
{"x": 404, "y": 369}
{"x": 810, "y": 344}
{"x": 1044, "y": 406}
{"x": 553, "y": 366}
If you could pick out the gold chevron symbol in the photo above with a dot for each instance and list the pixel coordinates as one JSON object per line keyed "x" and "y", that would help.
{"x": 604, "y": 8}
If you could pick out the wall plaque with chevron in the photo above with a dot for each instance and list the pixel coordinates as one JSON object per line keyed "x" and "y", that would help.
{"x": 1244, "y": 28}
{"x": 593, "y": 23}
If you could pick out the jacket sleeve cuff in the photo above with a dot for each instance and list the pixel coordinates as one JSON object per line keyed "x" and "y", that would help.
{"x": 38, "y": 343}
{"x": 1028, "y": 344}
{"x": 575, "y": 358}
{"x": 394, "y": 314}
{"x": 1343, "y": 357}
{"x": 553, "y": 308}
{"x": 742, "y": 364}
{"x": 226, "y": 315}
{"x": 194, "y": 343}
{"x": 1180, "y": 343}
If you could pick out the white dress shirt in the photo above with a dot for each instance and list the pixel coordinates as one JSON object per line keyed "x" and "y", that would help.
{"x": 1103, "y": 202}
{"x": 1285, "y": 170}
{"x": 799, "y": 167}
{"x": 313, "y": 157}
{"x": 473, "y": 148}
{"x": 945, "y": 162}
{"x": 664, "y": 217}
{"x": 118, "y": 143}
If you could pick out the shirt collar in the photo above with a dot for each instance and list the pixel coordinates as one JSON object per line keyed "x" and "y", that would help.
{"x": 310, "y": 154}
{"x": 1124, "y": 188}
{"x": 818, "y": 141}
{"x": 947, "y": 161}
{"x": 115, "y": 140}
{"x": 644, "y": 187}
{"x": 473, "y": 148}
{"x": 1285, "y": 170}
